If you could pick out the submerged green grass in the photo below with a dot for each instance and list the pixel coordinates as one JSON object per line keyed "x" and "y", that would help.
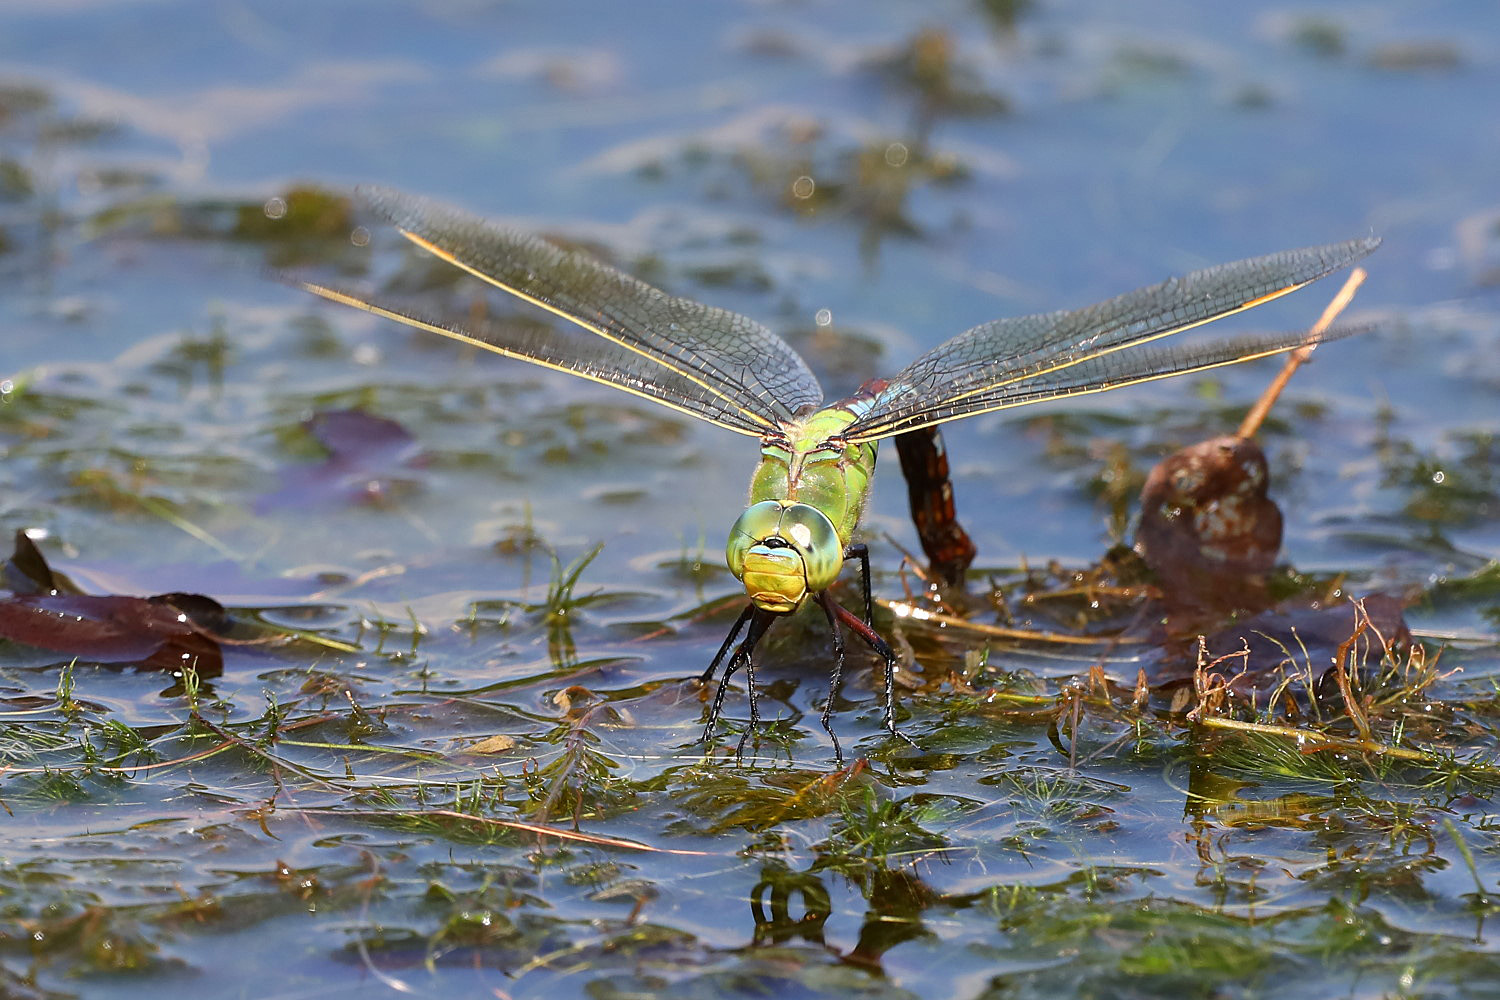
{"x": 1183, "y": 856}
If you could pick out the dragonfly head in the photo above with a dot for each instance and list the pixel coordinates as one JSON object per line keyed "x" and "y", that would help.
{"x": 782, "y": 552}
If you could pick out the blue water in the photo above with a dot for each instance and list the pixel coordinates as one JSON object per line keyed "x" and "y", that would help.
{"x": 1141, "y": 140}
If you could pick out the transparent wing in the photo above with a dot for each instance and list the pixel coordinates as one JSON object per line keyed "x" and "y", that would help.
{"x": 1115, "y": 371}
{"x": 1010, "y": 361}
{"x": 568, "y": 351}
{"x": 727, "y": 356}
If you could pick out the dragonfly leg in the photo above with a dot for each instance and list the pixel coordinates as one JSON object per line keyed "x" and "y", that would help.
{"x": 861, "y": 552}
{"x": 739, "y": 749}
{"x": 826, "y": 603}
{"x": 708, "y": 674}
{"x": 759, "y": 622}
{"x": 871, "y": 637}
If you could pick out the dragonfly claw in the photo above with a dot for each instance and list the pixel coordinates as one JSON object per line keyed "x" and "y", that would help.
{"x": 891, "y": 728}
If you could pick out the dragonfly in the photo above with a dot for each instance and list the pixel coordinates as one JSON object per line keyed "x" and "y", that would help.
{"x": 790, "y": 544}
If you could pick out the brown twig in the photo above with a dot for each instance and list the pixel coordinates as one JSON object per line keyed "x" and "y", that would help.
{"x": 1310, "y": 741}
{"x": 1262, "y": 407}
{"x": 904, "y": 610}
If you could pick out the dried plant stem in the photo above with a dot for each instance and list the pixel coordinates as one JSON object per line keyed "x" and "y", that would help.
{"x": 1257, "y": 414}
{"x": 903, "y": 609}
{"x": 1313, "y": 741}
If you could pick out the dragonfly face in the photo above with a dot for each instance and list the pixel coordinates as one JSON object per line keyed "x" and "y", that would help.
{"x": 782, "y": 552}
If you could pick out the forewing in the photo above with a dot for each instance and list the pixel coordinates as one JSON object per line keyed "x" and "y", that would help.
{"x": 571, "y": 351}
{"x": 969, "y": 373}
{"x": 1104, "y": 372}
{"x": 726, "y": 355}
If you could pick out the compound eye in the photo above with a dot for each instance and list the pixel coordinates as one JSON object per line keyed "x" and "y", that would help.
{"x": 814, "y": 537}
{"x": 759, "y": 522}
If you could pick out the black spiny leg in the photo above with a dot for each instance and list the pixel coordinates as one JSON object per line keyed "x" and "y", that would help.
{"x": 760, "y": 620}
{"x": 862, "y": 552}
{"x": 871, "y": 637}
{"x": 826, "y": 603}
{"x": 728, "y": 641}
{"x": 739, "y": 748}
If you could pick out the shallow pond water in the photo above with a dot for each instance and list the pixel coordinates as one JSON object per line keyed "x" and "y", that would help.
{"x": 447, "y": 745}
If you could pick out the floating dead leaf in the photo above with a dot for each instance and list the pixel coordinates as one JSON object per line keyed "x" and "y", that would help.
{"x": 494, "y": 744}
{"x": 363, "y": 453}
{"x": 164, "y": 632}
{"x": 27, "y": 571}
{"x": 575, "y": 698}
{"x": 149, "y": 631}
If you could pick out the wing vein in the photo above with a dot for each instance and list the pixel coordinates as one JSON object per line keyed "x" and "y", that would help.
{"x": 724, "y": 353}
{"x": 966, "y": 374}
{"x": 603, "y": 362}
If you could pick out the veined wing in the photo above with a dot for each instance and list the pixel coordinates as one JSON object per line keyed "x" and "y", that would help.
{"x": 571, "y": 351}
{"x": 726, "y": 355}
{"x": 973, "y": 372}
{"x": 1104, "y": 372}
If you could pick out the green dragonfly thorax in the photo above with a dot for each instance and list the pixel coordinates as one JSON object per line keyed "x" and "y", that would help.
{"x": 806, "y": 498}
